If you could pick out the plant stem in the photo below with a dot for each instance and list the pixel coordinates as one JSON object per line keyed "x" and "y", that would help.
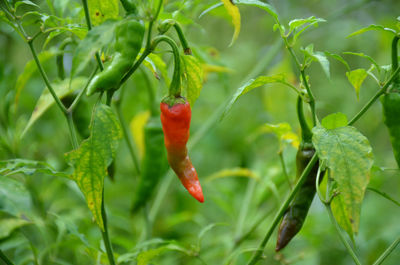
{"x": 340, "y": 233}
{"x": 73, "y": 105}
{"x": 46, "y": 79}
{"x": 387, "y": 252}
{"x": 379, "y": 93}
{"x": 4, "y": 258}
{"x": 72, "y": 131}
{"x": 89, "y": 24}
{"x": 311, "y": 97}
{"x": 175, "y": 87}
{"x": 106, "y": 238}
{"x": 282, "y": 210}
{"x": 384, "y": 195}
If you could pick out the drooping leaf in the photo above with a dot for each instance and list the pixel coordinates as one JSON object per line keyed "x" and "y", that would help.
{"x": 339, "y": 58}
{"x": 95, "y": 39}
{"x": 80, "y": 32}
{"x": 137, "y": 129}
{"x": 348, "y": 155}
{"x": 320, "y": 57}
{"x": 156, "y": 64}
{"x": 29, "y": 70}
{"x": 233, "y": 11}
{"x": 193, "y": 77}
{"x": 369, "y": 58}
{"x": 8, "y": 225}
{"x": 95, "y": 154}
{"x": 46, "y": 100}
{"x": 232, "y": 172}
{"x": 372, "y": 27}
{"x": 100, "y": 10}
{"x": 356, "y": 78}
{"x": 27, "y": 167}
{"x": 25, "y": 2}
{"x": 250, "y": 85}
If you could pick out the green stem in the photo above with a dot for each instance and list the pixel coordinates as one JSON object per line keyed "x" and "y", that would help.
{"x": 46, "y": 80}
{"x": 384, "y": 195}
{"x": 175, "y": 87}
{"x": 282, "y": 210}
{"x": 185, "y": 44}
{"x": 79, "y": 97}
{"x": 284, "y": 169}
{"x": 251, "y": 184}
{"x": 135, "y": 66}
{"x": 342, "y": 238}
{"x": 72, "y": 130}
{"x": 387, "y": 252}
{"x": 4, "y": 258}
{"x": 305, "y": 82}
{"x": 306, "y": 134}
{"x": 375, "y": 97}
{"x": 395, "y": 58}
{"x": 106, "y": 238}
{"x": 89, "y": 24}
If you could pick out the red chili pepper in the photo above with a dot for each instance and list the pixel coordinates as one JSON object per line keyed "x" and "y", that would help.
{"x": 175, "y": 121}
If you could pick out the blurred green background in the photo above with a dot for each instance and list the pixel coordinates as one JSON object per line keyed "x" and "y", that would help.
{"x": 60, "y": 228}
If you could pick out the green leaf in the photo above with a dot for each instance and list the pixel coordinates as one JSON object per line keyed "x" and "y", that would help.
{"x": 29, "y": 70}
{"x": 100, "y": 10}
{"x": 348, "y": 155}
{"x": 334, "y": 121}
{"x": 317, "y": 56}
{"x": 339, "y": 58}
{"x": 95, "y": 39}
{"x": 95, "y": 154}
{"x": 145, "y": 257}
{"x": 27, "y": 167}
{"x": 372, "y": 27}
{"x": 267, "y": 7}
{"x": 356, "y": 78}
{"x": 193, "y": 77}
{"x": 14, "y": 197}
{"x": 360, "y": 54}
{"x": 62, "y": 89}
{"x": 298, "y": 26}
{"x": 8, "y": 225}
{"x": 154, "y": 62}
{"x": 25, "y": 2}
{"x": 233, "y": 11}
{"x": 210, "y": 9}
{"x": 250, "y": 85}
{"x": 80, "y": 32}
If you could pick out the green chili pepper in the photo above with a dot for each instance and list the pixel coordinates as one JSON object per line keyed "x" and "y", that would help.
{"x": 154, "y": 163}
{"x": 391, "y": 106}
{"x": 297, "y": 212}
{"x": 129, "y": 37}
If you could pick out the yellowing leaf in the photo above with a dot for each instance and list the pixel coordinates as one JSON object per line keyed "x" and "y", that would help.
{"x": 233, "y": 172}
{"x": 356, "y": 78}
{"x": 137, "y": 129}
{"x": 193, "y": 77}
{"x": 233, "y": 11}
{"x": 284, "y": 133}
{"x": 100, "y": 10}
{"x": 94, "y": 155}
{"x": 348, "y": 155}
{"x": 209, "y": 68}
